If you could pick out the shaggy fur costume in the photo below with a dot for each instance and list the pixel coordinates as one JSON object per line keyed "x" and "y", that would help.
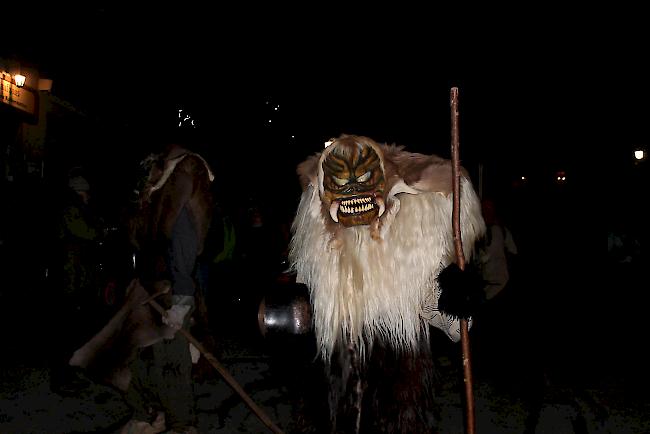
{"x": 374, "y": 289}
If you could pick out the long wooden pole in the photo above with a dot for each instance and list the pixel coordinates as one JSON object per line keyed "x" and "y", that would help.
{"x": 224, "y": 373}
{"x": 460, "y": 256}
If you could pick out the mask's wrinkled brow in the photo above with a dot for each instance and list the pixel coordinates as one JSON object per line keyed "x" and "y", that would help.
{"x": 345, "y": 159}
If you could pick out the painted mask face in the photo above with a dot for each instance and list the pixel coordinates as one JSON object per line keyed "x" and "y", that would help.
{"x": 353, "y": 182}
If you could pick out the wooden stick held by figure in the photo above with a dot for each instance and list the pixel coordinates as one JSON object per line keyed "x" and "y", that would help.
{"x": 460, "y": 258}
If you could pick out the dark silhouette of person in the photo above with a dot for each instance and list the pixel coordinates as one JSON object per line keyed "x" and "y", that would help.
{"x": 169, "y": 230}
{"x": 75, "y": 296}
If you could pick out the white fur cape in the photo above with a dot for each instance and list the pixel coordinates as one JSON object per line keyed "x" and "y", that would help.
{"x": 364, "y": 288}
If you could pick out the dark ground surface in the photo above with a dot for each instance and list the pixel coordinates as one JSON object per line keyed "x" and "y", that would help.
{"x": 534, "y": 367}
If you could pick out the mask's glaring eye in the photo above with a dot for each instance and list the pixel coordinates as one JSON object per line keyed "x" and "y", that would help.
{"x": 340, "y": 181}
{"x": 364, "y": 177}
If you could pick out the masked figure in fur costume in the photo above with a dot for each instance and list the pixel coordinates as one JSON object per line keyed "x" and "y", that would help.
{"x": 373, "y": 242}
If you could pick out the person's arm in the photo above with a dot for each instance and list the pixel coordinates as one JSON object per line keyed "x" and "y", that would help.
{"x": 509, "y": 243}
{"x": 175, "y": 194}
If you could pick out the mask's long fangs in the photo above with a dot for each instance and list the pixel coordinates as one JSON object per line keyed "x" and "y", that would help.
{"x": 334, "y": 210}
{"x": 382, "y": 205}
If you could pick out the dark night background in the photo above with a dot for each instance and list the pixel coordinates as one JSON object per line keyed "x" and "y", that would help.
{"x": 544, "y": 93}
{"x": 536, "y": 98}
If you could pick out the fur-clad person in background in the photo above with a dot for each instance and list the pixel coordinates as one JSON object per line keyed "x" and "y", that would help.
{"x": 372, "y": 235}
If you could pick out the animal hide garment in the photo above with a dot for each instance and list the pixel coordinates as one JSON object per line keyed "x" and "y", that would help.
{"x": 107, "y": 355}
{"x": 372, "y": 232}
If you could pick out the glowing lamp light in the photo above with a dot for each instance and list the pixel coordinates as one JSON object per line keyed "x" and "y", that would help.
{"x": 639, "y": 154}
{"x": 20, "y": 80}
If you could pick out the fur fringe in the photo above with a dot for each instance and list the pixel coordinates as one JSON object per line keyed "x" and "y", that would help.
{"x": 365, "y": 289}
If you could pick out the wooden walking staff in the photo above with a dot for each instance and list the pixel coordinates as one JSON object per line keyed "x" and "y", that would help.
{"x": 458, "y": 243}
{"x": 224, "y": 373}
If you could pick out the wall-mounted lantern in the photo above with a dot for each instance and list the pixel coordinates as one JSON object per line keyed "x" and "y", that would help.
{"x": 639, "y": 154}
{"x": 20, "y": 80}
